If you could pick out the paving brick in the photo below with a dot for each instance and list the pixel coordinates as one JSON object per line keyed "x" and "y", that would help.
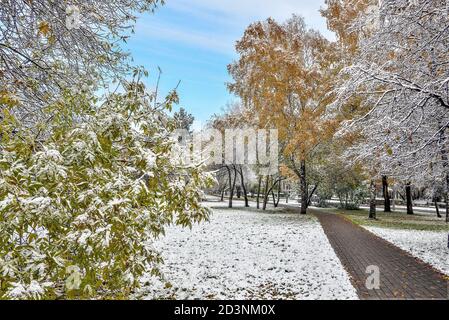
{"x": 402, "y": 276}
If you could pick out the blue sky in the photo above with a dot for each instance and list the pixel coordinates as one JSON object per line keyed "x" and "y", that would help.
{"x": 193, "y": 41}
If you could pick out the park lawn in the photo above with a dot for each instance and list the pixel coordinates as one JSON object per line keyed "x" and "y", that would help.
{"x": 394, "y": 220}
{"x": 246, "y": 254}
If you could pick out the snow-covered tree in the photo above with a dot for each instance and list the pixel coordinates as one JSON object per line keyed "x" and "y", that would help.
{"x": 282, "y": 76}
{"x": 79, "y": 210}
{"x": 183, "y": 119}
{"x": 47, "y": 47}
{"x": 399, "y": 77}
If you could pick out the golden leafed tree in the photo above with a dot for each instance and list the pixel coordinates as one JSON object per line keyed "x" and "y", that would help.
{"x": 283, "y": 75}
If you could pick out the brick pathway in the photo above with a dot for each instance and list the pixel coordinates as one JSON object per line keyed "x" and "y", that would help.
{"x": 401, "y": 275}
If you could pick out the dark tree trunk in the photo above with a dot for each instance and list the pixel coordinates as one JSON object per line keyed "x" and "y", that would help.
{"x": 245, "y": 192}
{"x": 266, "y": 193}
{"x": 258, "y": 192}
{"x": 437, "y": 208}
{"x": 310, "y": 196}
{"x": 231, "y": 185}
{"x": 444, "y": 156}
{"x": 446, "y": 197}
{"x": 408, "y": 196}
{"x": 245, "y": 196}
{"x": 447, "y": 209}
{"x": 303, "y": 187}
{"x": 446, "y": 189}
{"x": 372, "y": 200}
{"x": 223, "y": 191}
{"x": 278, "y": 196}
{"x": 276, "y": 199}
{"x": 386, "y": 194}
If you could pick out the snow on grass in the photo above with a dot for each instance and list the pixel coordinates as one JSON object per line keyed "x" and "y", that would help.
{"x": 429, "y": 246}
{"x": 247, "y": 254}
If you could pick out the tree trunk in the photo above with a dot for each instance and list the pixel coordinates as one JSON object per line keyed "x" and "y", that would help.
{"x": 266, "y": 193}
{"x": 446, "y": 191}
{"x": 445, "y": 158}
{"x": 386, "y": 194}
{"x": 303, "y": 187}
{"x": 310, "y": 196}
{"x": 258, "y": 192}
{"x": 245, "y": 193}
{"x": 437, "y": 208}
{"x": 278, "y": 196}
{"x": 447, "y": 198}
{"x": 394, "y": 198}
{"x": 231, "y": 185}
{"x": 408, "y": 195}
{"x": 447, "y": 209}
{"x": 372, "y": 201}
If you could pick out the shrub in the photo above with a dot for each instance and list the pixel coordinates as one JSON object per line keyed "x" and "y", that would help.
{"x": 80, "y": 210}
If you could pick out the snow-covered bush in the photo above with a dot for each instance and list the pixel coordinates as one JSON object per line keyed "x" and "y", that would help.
{"x": 79, "y": 211}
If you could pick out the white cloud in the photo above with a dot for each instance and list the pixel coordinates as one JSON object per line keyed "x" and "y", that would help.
{"x": 215, "y": 25}
{"x": 280, "y": 9}
{"x": 247, "y": 11}
{"x": 219, "y": 43}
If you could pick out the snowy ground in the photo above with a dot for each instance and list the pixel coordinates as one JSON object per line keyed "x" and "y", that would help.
{"x": 243, "y": 254}
{"x": 430, "y": 247}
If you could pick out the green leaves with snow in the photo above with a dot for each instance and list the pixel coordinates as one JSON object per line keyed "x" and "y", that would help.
{"x": 79, "y": 211}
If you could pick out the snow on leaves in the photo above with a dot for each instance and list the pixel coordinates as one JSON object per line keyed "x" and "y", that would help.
{"x": 397, "y": 86}
{"x": 79, "y": 211}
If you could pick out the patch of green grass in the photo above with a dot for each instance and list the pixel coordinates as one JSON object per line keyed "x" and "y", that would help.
{"x": 395, "y": 220}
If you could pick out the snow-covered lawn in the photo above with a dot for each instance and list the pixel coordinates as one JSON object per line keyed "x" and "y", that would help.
{"x": 243, "y": 254}
{"x": 429, "y": 246}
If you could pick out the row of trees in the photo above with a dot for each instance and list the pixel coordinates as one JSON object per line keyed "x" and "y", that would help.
{"x": 369, "y": 109}
{"x": 244, "y": 179}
